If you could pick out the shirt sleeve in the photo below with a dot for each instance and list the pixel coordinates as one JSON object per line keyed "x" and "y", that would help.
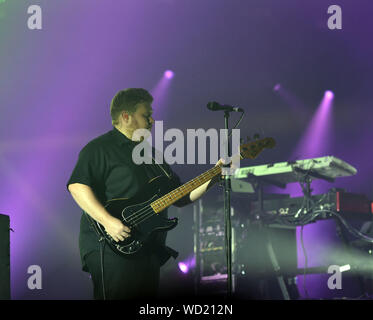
{"x": 89, "y": 169}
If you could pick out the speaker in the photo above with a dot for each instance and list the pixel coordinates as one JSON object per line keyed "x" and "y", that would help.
{"x": 267, "y": 261}
{"x": 4, "y": 257}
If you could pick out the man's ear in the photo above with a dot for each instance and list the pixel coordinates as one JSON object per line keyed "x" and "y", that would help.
{"x": 125, "y": 116}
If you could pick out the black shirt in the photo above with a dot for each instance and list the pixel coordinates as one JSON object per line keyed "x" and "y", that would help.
{"x": 105, "y": 164}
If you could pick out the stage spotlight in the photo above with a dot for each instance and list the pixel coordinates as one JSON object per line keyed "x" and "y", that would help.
{"x": 329, "y": 94}
{"x": 277, "y": 87}
{"x": 298, "y": 108}
{"x": 183, "y": 267}
{"x": 169, "y": 74}
{"x": 160, "y": 93}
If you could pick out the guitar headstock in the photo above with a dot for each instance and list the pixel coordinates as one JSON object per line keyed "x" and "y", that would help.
{"x": 252, "y": 149}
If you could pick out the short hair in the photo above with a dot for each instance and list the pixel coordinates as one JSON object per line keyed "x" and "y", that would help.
{"x": 128, "y": 100}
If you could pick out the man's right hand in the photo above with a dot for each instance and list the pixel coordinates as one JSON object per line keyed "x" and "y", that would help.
{"x": 116, "y": 229}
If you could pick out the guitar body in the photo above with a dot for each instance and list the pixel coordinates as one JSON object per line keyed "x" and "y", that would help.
{"x": 137, "y": 214}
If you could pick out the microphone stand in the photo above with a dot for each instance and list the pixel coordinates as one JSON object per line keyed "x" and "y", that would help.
{"x": 227, "y": 208}
{"x": 214, "y": 106}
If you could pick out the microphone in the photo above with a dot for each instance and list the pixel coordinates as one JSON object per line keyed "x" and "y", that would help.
{"x": 215, "y": 106}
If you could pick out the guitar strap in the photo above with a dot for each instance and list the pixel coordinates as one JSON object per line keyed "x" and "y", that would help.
{"x": 164, "y": 171}
{"x": 156, "y": 153}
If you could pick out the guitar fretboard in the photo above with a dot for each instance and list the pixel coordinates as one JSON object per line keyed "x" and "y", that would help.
{"x": 175, "y": 195}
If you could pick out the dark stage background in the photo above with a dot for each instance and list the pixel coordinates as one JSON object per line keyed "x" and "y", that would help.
{"x": 56, "y": 85}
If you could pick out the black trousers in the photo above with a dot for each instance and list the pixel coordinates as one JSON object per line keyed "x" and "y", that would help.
{"x": 125, "y": 278}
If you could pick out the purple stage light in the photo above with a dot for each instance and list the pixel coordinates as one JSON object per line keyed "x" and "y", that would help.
{"x": 183, "y": 267}
{"x": 160, "y": 93}
{"x": 169, "y": 74}
{"x": 187, "y": 264}
{"x": 316, "y": 139}
{"x": 329, "y": 94}
{"x": 301, "y": 112}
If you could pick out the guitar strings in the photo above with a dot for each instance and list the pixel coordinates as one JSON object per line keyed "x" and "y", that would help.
{"x": 139, "y": 213}
{"x": 143, "y": 214}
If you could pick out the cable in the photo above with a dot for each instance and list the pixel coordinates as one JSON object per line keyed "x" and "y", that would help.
{"x": 238, "y": 122}
{"x": 311, "y": 216}
{"x": 102, "y": 243}
{"x": 305, "y": 262}
{"x": 349, "y": 228}
{"x": 102, "y": 250}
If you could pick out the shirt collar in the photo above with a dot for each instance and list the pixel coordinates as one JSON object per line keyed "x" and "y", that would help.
{"x": 121, "y": 138}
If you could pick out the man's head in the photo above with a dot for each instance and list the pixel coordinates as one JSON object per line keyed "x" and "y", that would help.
{"x": 131, "y": 109}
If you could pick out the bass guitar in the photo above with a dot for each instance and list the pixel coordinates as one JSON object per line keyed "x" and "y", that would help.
{"x": 142, "y": 212}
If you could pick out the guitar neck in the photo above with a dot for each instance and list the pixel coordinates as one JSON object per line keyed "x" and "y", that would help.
{"x": 248, "y": 150}
{"x": 180, "y": 192}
